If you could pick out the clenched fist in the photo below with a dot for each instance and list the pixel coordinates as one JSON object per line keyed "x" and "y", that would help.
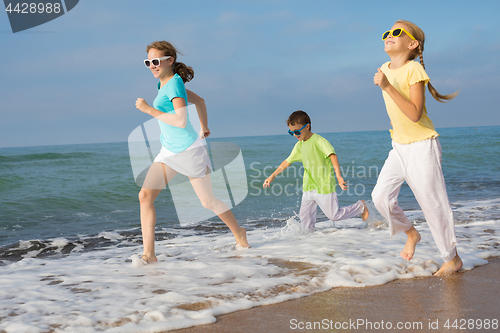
{"x": 142, "y": 105}
{"x": 381, "y": 80}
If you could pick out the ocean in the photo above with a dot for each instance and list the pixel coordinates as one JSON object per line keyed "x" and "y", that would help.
{"x": 70, "y": 229}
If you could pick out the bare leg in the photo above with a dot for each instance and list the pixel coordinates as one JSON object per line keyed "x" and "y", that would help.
{"x": 203, "y": 188}
{"x": 148, "y": 222}
{"x": 366, "y": 213}
{"x": 450, "y": 267}
{"x": 411, "y": 243}
{"x": 239, "y": 233}
{"x": 156, "y": 179}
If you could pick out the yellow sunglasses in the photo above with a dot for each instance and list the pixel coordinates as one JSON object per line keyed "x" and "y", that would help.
{"x": 396, "y": 33}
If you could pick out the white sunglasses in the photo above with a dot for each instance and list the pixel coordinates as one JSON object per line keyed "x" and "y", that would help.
{"x": 155, "y": 61}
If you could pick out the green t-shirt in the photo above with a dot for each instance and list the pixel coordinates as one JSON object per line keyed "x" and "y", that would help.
{"x": 318, "y": 170}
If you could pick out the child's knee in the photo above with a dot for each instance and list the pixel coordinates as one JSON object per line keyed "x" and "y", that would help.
{"x": 380, "y": 199}
{"x": 145, "y": 196}
{"x": 383, "y": 202}
{"x": 209, "y": 203}
{"x": 375, "y": 195}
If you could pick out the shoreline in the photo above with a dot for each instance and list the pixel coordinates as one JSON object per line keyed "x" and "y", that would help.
{"x": 425, "y": 304}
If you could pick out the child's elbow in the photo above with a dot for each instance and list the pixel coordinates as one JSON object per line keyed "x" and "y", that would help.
{"x": 196, "y": 100}
{"x": 182, "y": 120}
{"x": 417, "y": 118}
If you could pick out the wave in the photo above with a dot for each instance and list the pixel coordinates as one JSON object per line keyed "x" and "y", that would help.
{"x": 200, "y": 277}
{"x": 44, "y": 156}
{"x": 58, "y": 247}
{"x": 55, "y": 248}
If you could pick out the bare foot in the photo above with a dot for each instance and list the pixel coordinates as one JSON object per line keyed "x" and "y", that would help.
{"x": 450, "y": 267}
{"x": 366, "y": 213}
{"x": 241, "y": 238}
{"x": 149, "y": 259}
{"x": 413, "y": 238}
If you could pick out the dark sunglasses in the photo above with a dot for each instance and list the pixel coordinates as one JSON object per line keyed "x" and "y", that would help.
{"x": 297, "y": 132}
{"x": 155, "y": 61}
{"x": 396, "y": 33}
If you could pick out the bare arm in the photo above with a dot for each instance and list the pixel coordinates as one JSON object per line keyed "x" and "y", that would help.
{"x": 177, "y": 119}
{"x": 412, "y": 108}
{"x": 338, "y": 174}
{"x": 279, "y": 170}
{"x": 201, "y": 108}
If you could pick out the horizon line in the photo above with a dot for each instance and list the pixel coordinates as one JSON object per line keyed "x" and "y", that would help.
{"x": 224, "y": 137}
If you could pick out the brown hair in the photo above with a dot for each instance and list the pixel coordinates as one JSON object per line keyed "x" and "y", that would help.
{"x": 298, "y": 117}
{"x": 417, "y": 52}
{"x": 185, "y": 72}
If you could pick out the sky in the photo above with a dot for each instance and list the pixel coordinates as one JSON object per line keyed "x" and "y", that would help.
{"x": 75, "y": 79}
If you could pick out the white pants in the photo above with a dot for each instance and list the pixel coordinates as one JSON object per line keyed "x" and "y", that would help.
{"x": 419, "y": 164}
{"x": 329, "y": 204}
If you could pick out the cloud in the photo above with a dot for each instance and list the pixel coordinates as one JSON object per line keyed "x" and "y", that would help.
{"x": 254, "y": 64}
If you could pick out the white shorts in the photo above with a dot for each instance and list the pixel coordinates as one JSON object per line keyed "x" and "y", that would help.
{"x": 192, "y": 162}
{"x": 329, "y": 204}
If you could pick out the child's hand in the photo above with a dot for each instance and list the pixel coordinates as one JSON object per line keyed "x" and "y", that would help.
{"x": 342, "y": 183}
{"x": 381, "y": 80}
{"x": 268, "y": 182}
{"x": 142, "y": 105}
{"x": 204, "y": 132}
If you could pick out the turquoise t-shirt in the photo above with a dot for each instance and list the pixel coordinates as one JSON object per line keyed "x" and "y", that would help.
{"x": 173, "y": 138}
{"x": 318, "y": 169}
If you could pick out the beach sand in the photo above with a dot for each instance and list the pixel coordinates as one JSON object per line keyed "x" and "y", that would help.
{"x": 424, "y": 304}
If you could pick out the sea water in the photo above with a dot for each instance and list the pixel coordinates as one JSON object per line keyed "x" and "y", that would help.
{"x": 70, "y": 234}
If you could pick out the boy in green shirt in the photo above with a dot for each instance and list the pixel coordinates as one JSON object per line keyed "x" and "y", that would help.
{"x": 319, "y": 160}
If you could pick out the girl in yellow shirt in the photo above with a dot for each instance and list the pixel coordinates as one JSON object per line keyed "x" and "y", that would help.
{"x": 416, "y": 154}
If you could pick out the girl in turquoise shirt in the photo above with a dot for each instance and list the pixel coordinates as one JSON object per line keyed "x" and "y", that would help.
{"x": 182, "y": 150}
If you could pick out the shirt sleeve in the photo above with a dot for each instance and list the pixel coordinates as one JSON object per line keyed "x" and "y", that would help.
{"x": 325, "y": 147}
{"x": 295, "y": 155}
{"x": 176, "y": 89}
{"x": 417, "y": 74}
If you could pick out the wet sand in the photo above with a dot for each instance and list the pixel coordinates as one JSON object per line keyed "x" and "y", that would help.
{"x": 422, "y": 305}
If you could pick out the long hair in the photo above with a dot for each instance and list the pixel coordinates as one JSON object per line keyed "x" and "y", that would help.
{"x": 417, "y": 52}
{"x": 185, "y": 72}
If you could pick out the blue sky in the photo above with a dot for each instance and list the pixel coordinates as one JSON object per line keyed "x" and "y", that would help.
{"x": 75, "y": 79}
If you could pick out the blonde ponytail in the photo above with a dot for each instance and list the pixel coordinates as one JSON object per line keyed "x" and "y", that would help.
{"x": 437, "y": 96}
{"x": 420, "y": 37}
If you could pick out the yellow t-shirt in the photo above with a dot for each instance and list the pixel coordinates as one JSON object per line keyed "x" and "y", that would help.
{"x": 404, "y": 130}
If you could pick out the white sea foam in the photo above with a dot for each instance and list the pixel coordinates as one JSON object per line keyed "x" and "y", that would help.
{"x": 110, "y": 235}
{"x": 59, "y": 242}
{"x": 199, "y": 277}
{"x": 83, "y": 214}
